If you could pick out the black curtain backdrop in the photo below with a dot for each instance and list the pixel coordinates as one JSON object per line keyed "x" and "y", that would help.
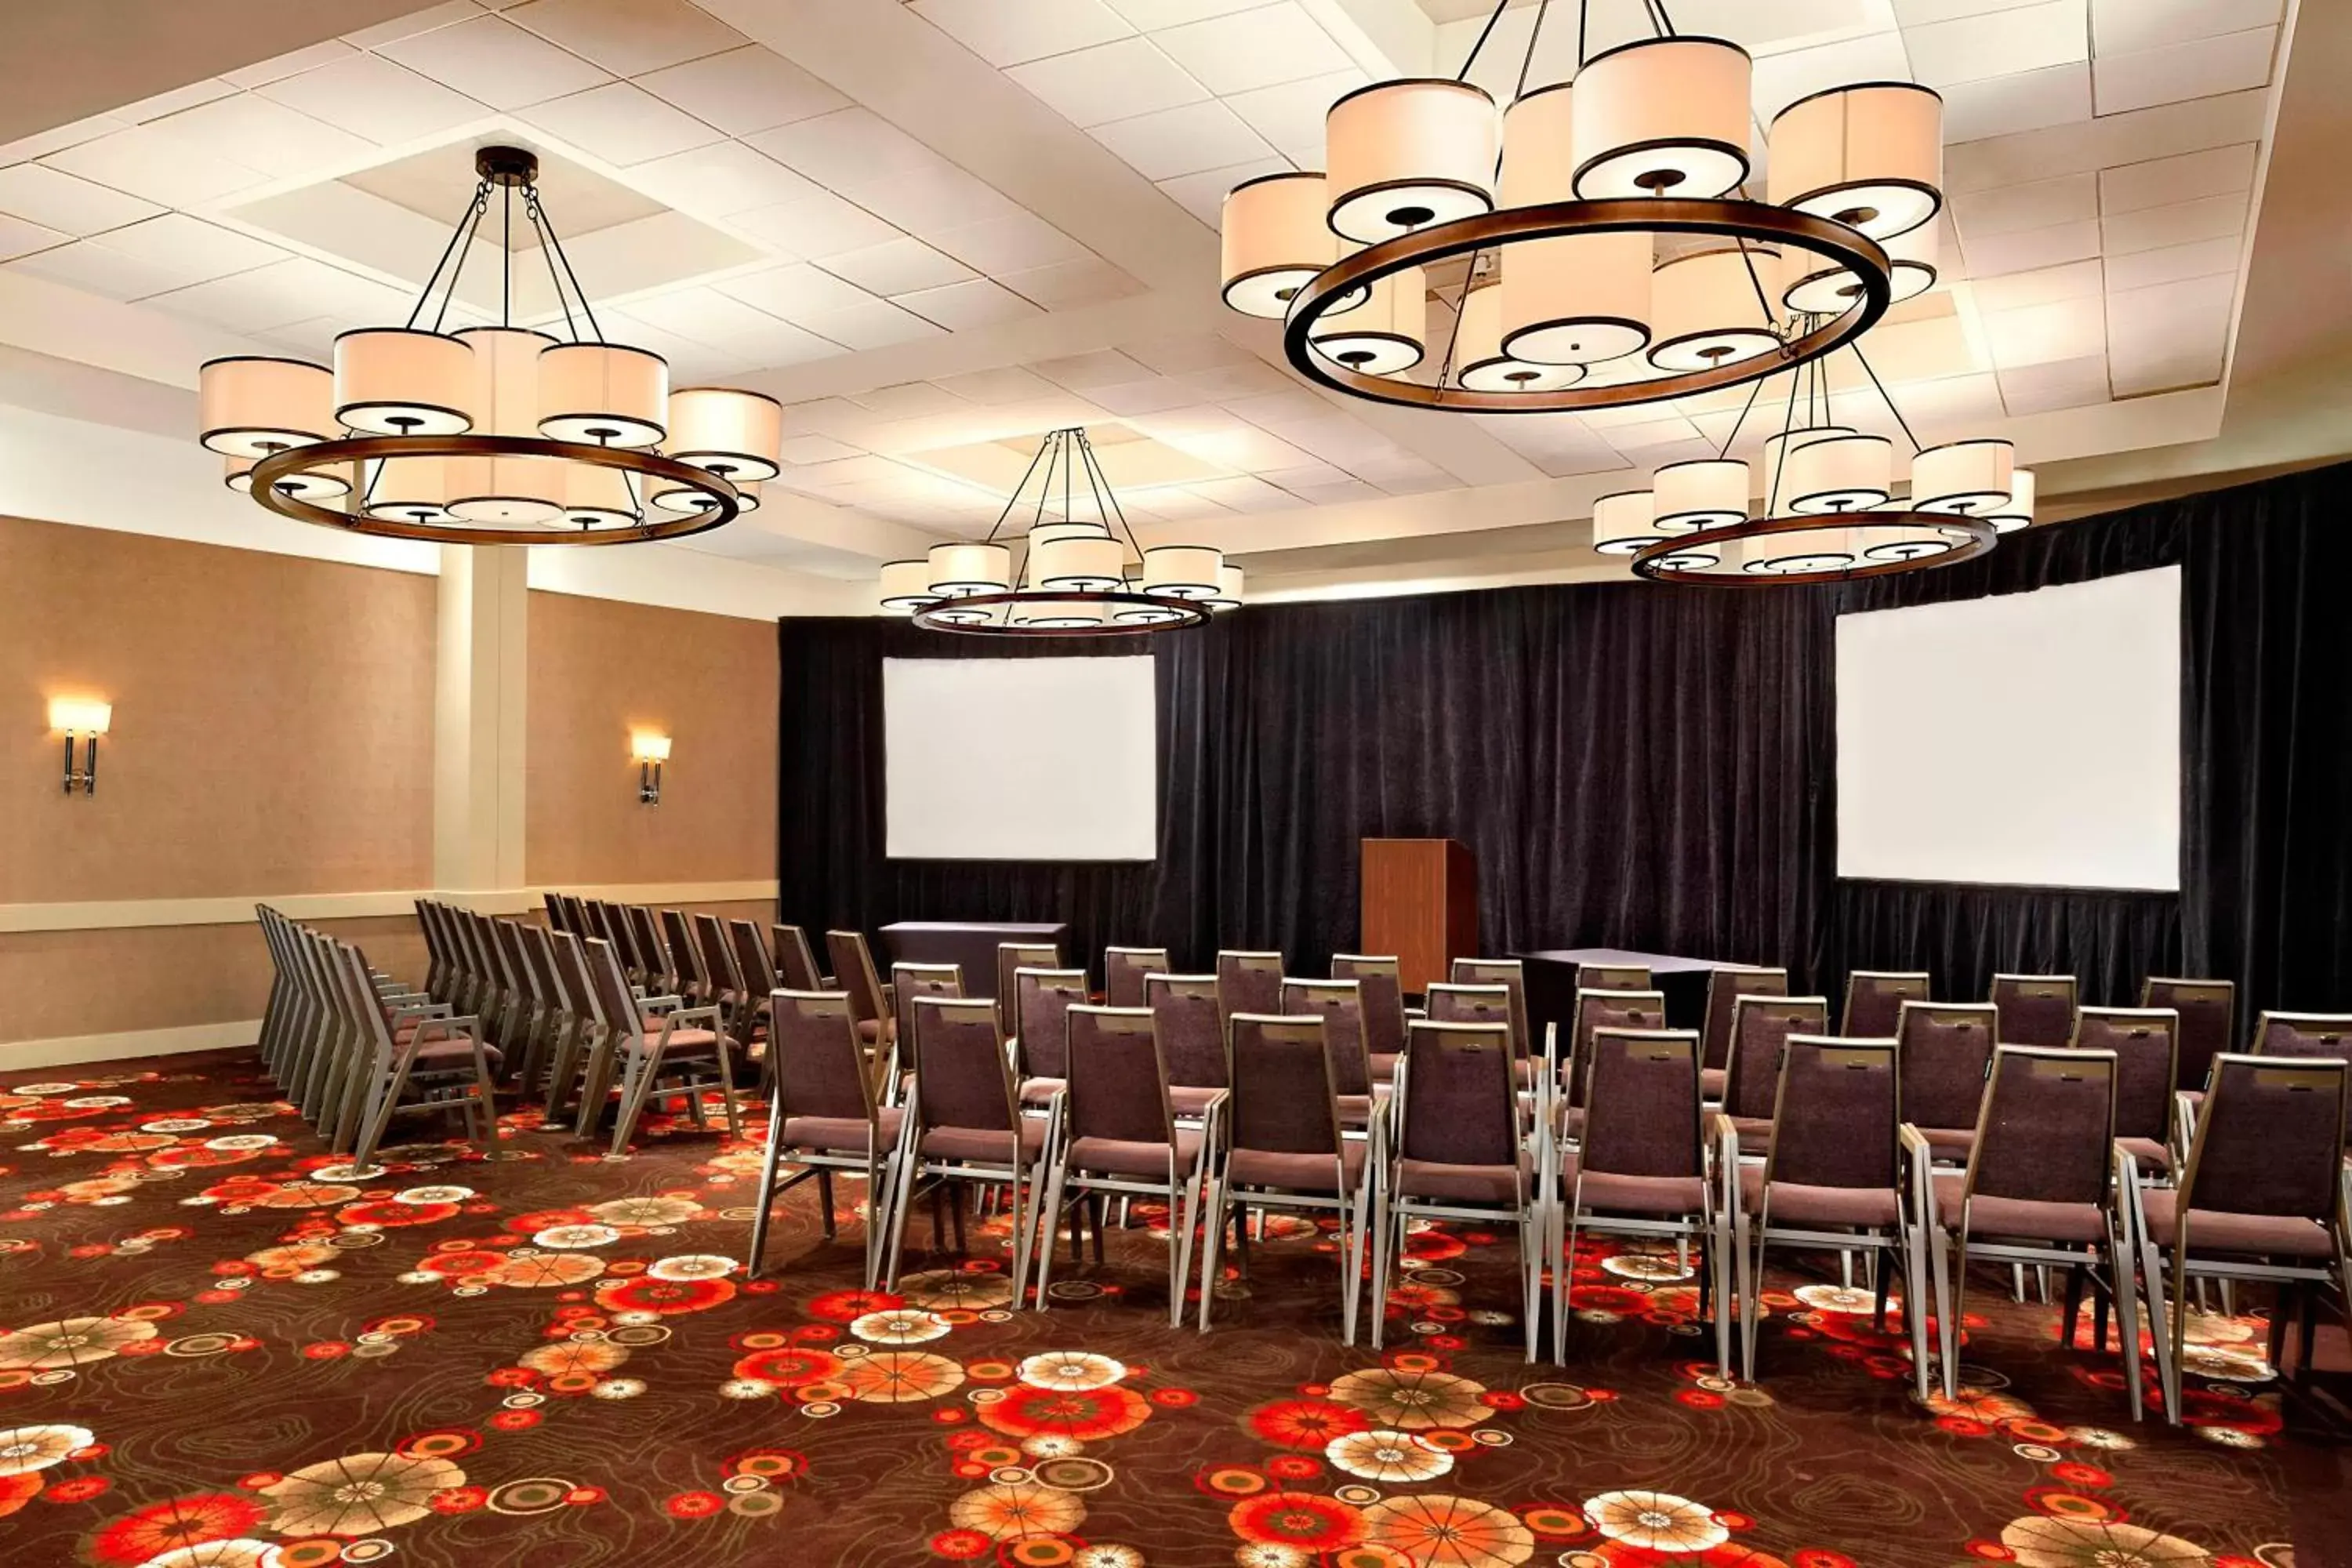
{"x": 1650, "y": 768}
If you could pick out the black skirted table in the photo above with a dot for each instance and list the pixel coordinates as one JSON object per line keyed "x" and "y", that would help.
{"x": 1551, "y": 982}
{"x": 971, "y": 944}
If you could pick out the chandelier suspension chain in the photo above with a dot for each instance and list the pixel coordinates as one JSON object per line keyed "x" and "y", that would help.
{"x": 457, "y": 232}
{"x": 1014, "y": 499}
{"x": 563, "y": 256}
{"x": 1484, "y": 34}
{"x": 457, "y": 270}
{"x": 547, "y": 254}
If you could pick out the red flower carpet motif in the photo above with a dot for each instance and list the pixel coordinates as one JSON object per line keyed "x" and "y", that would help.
{"x": 222, "y": 1347}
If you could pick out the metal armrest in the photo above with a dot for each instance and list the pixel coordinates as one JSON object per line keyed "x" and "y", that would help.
{"x": 430, "y": 1010}
{"x": 669, "y": 1002}
{"x": 678, "y": 1017}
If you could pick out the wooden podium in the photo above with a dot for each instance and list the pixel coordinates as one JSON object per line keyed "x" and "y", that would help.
{"x": 1420, "y": 901}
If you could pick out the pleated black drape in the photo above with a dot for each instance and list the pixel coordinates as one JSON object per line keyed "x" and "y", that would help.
{"x": 1649, "y": 768}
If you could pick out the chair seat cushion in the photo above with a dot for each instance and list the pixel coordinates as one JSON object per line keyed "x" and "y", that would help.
{"x": 839, "y": 1134}
{"x": 1384, "y": 1066}
{"x": 1755, "y": 1134}
{"x": 684, "y": 1042}
{"x": 1191, "y": 1099}
{"x": 1949, "y": 1142}
{"x": 1466, "y": 1184}
{"x": 981, "y": 1143}
{"x": 1356, "y": 1110}
{"x": 1297, "y": 1173}
{"x": 2026, "y": 1219}
{"x": 1795, "y": 1202}
{"x": 446, "y": 1053}
{"x": 1711, "y": 1082}
{"x": 1145, "y": 1162}
{"x": 1042, "y": 1091}
{"x": 874, "y": 1031}
{"x": 1606, "y": 1192}
{"x": 2149, "y": 1154}
{"x": 2213, "y": 1230}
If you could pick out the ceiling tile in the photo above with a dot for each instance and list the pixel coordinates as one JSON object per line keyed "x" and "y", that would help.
{"x": 843, "y": 148}
{"x": 1253, "y": 48}
{"x": 702, "y": 312}
{"x": 2063, "y": 383}
{"x": 2176, "y": 263}
{"x": 627, "y": 37}
{"x": 1919, "y": 13}
{"x": 57, "y": 139}
{"x": 375, "y": 98}
{"x": 1012, "y": 383}
{"x": 794, "y": 292}
{"x": 174, "y": 102}
{"x": 1006, "y": 35}
{"x": 1244, "y": 494}
{"x": 1182, "y": 354}
{"x": 2047, "y": 286}
{"x": 960, "y": 307}
{"x": 2160, "y": 182}
{"x": 446, "y": 15}
{"x": 2025, "y": 100}
{"x": 88, "y": 264}
{"x": 876, "y": 324}
{"x": 2169, "y": 335}
{"x": 1290, "y": 114}
{"x": 163, "y": 253}
{"x": 279, "y": 295}
{"x": 40, "y": 195}
{"x": 1779, "y": 80}
{"x": 896, "y": 267}
{"x": 1980, "y": 215}
{"x": 1066, "y": 285}
{"x": 2107, "y": 141}
{"x": 147, "y": 163}
{"x": 1116, "y": 80}
{"x": 822, "y": 225}
{"x": 743, "y": 90}
{"x": 1203, "y": 194}
{"x": 721, "y": 180}
{"x": 1084, "y": 373}
{"x": 2179, "y": 223}
{"x": 803, "y": 450}
{"x": 1015, "y": 243}
{"x": 492, "y": 60}
{"x": 928, "y": 197}
{"x": 2124, "y": 27}
{"x": 2065, "y": 329}
{"x": 2200, "y": 69}
{"x": 1183, "y": 141}
{"x": 1145, "y": 15}
{"x": 278, "y": 67}
{"x": 621, "y": 123}
{"x": 1151, "y": 394}
{"x": 261, "y": 134}
{"x": 2000, "y": 43}
{"x": 2034, "y": 248}
{"x": 18, "y": 237}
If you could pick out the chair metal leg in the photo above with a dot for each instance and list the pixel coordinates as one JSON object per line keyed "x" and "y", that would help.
{"x": 824, "y": 1200}
{"x": 1213, "y": 1236}
{"x": 1181, "y": 1243}
{"x": 2127, "y": 1312}
{"x": 1051, "y": 1219}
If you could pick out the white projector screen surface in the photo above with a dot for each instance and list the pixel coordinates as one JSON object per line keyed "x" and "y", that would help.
{"x": 2030, "y": 739}
{"x": 1020, "y": 759}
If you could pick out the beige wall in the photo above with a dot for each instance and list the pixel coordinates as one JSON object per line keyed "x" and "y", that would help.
{"x": 599, "y": 669}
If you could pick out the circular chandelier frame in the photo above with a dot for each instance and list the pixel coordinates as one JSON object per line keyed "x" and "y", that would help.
{"x": 1167, "y": 614}
{"x": 1655, "y": 562}
{"x": 1345, "y": 280}
{"x": 272, "y": 472}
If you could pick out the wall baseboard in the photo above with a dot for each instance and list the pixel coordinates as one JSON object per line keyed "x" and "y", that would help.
{"x": 120, "y": 913}
{"x": 67, "y": 1050}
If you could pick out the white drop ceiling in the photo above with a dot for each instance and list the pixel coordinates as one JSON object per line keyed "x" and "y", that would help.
{"x": 937, "y": 230}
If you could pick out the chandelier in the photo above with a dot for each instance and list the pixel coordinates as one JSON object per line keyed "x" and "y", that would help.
{"x": 1595, "y": 242}
{"x": 1077, "y": 575}
{"x": 489, "y": 435}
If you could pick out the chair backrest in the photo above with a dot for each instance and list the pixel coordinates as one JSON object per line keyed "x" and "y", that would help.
{"x": 1380, "y": 991}
{"x": 572, "y": 969}
{"x": 1012, "y": 955}
{"x": 719, "y": 970}
{"x": 1874, "y": 1001}
{"x": 1284, "y": 1101}
{"x": 1447, "y": 1003}
{"x": 610, "y": 922}
{"x": 1248, "y": 981}
{"x": 1613, "y": 977}
{"x": 2270, "y": 1140}
{"x": 1042, "y": 1000}
{"x": 1724, "y": 988}
{"x": 820, "y": 1068}
{"x": 1946, "y": 1052}
{"x": 1118, "y": 1084}
{"x": 1461, "y": 1104}
{"x": 1597, "y": 1010}
{"x": 1343, "y": 1027}
{"x": 1123, "y": 972}
{"x": 795, "y": 961}
{"x": 612, "y": 997}
{"x": 537, "y": 942}
{"x": 909, "y": 984}
{"x": 1834, "y": 1118}
{"x": 2035, "y": 1009}
{"x": 508, "y": 935}
{"x": 2048, "y": 1127}
{"x": 2302, "y": 1034}
{"x": 2208, "y": 1010}
{"x": 853, "y": 971}
{"x": 1509, "y": 974}
{"x": 1190, "y": 1029}
{"x": 661, "y": 966}
{"x": 753, "y": 959}
{"x": 694, "y": 982}
{"x": 966, "y": 1079}
{"x": 1642, "y": 1104}
{"x": 2146, "y": 1043}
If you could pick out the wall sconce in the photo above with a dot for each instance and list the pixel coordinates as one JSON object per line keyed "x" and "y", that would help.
{"x": 651, "y": 751}
{"x": 80, "y": 717}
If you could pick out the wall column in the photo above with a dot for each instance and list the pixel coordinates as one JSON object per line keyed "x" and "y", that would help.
{"x": 478, "y": 716}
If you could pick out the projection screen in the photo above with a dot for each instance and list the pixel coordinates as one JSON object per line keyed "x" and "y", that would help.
{"x": 2028, "y": 738}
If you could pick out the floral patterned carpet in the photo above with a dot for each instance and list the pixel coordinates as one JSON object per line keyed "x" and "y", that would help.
{"x": 219, "y": 1348}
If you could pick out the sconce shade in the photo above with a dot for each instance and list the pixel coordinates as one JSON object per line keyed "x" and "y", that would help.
{"x": 400, "y": 381}
{"x": 647, "y": 746}
{"x": 1663, "y": 117}
{"x": 1706, "y": 308}
{"x": 80, "y": 715}
{"x": 735, "y": 434}
{"x": 1870, "y": 156}
{"x": 249, "y": 406}
{"x": 1273, "y": 240}
{"x": 1711, "y": 493}
{"x": 1408, "y": 153}
{"x": 1970, "y": 476}
{"x": 605, "y": 394}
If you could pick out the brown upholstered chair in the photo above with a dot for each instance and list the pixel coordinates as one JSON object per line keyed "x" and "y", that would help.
{"x": 796, "y": 962}
{"x": 1042, "y": 1000}
{"x": 1124, "y": 969}
{"x": 1248, "y": 981}
{"x": 1646, "y": 1168}
{"x": 2041, "y": 1187}
{"x": 756, "y": 967}
{"x": 1283, "y": 1148}
{"x": 854, "y": 972}
{"x": 1614, "y": 977}
{"x": 909, "y": 984}
{"x": 1361, "y": 1095}
{"x": 1596, "y": 1011}
{"x": 1511, "y": 975}
{"x": 2302, "y": 1034}
{"x": 2208, "y": 1010}
{"x": 430, "y": 1063}
{"x": 554, "y": 1010}
{"x": 967, "y": 1125}
{"x": 1873, "y": 1002}
{"x": 1012, "y": 956}
{"x": 1192, "y": 1034}
{"x": 2035, "y": 1009}
{"x": 1462, "y": 1152}
{"x": 1946, "y": 1052}
{"x": 662, "y": 973}
{"x": 681, "y": 1051}
{"x": 2146, "y": 1043}
{"x": 576, "y": 1045}
{"x": 1761, "y": 1028}
{"x": 1834, "y": 1180}
{"x": 1120, "y": 1137}
{"x": 1724, "y": 987}
{"x": 2262, "y": 1198}
{"x": 822, "y": 1118}
{"x": 1380, "y": 991}
{"x": 696, "y": 983}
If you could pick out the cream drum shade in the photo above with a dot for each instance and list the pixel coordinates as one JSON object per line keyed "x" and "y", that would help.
{"x": 1711, "y": 493}
{"x": 506, "y": 492}
{"x": 249, "y": 408}
{"x": 597, "y": 497}
{"x": 1097, "y": 564}
{"x": 1539, "y": 148}
{"x": 1181, "y": 570}
{"x": 411, "y": 489}
{"x": 1663, "y": 116}
{"x": 603, "y": 395}
{"x": 958, "y": 571}
{"x": 1706, "y": 310}
{"x": 1405, "y": 154}
{"x": 236, "y": 473}
{"x": 317, "y": 486}
{"x": 1777, "y": 449}
{"x": 1826, "y": 549}
{"x": 735, "y": 434}
{"x": 399, "y": 381}
{"x": 1838, "y": 473}
{"x": 1962, "y": 477}
{"x": 1869, "y": 156}
{"x": 1813, "y": 284}
{"x": 1068, "y": 614}
{"x": 1623, "y": 522}
{"x": 1386, "y": 335}
{"x": 1046, "y": 532}
{"x": 515, "y": 493}
{"x": 907, "y": 586}
{"x": 1272, "y": 239}
{"x": 505, "y": 396}
{"x": 1480, "y": 363}
{"x": 2016, "y": 513}
{"x": 1903, "y": 544}
{"x": 1229, "y": 589}
{"x": 1579, "y": 299}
